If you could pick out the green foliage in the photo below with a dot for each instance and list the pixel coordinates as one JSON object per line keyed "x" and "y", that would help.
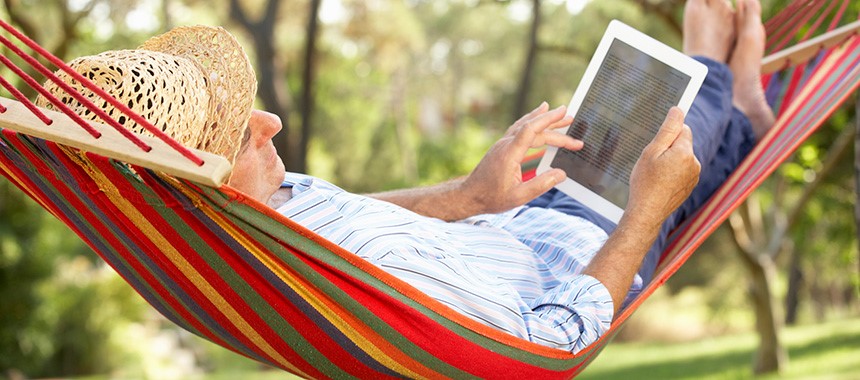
{"x": 22, "y": 268}
{"x": 350, "y": 116}
{"x": 60, "y": 303}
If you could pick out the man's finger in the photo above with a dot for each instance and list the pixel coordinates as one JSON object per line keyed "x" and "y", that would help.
{"x": 559, "y": 140}
{"x": 538, "y": 185}
{"x": 670, "y": 130}
{"x": 531, "y": 134}
{"x": 564, "y": 122}
{"x": 685, "y": 139}
{"x": 547, "y": 119}
{"x": 540, "y": 109}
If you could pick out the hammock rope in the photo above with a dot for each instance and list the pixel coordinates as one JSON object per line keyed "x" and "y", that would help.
{"x": 124, "y": 109}
{"x": 235, "y": 272}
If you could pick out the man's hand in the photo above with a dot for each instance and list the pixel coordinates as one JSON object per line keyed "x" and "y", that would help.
{"x": 496, "y": 184}
{"x": 666, "y": 172}
{"x": 664, "y": 176}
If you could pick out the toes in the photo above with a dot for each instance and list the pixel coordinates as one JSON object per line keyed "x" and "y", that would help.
{"x": 748, "y": 14}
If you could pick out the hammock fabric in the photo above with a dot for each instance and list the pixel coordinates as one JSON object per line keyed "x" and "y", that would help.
{"x": 233, "y": 271}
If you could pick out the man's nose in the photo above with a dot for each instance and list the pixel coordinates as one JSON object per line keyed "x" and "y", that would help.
{"x": 268, "y": 121}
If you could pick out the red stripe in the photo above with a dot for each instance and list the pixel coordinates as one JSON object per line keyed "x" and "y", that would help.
{"x": 765, "y": 80}
{"x": 838, "y": 16}
{"x": 293, "y": 315}
{"x": 820, "y": 19}
{"x": 840, "y": 61}
{"x": 796, "y": 75}
{"x": 784, "y": 23}
{"x": 100, "y": 226}
{"x": 23, "y": 98}
{"x": 798, "y": 22}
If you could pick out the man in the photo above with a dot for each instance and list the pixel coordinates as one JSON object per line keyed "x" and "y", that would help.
{"x": 514, "y": 255}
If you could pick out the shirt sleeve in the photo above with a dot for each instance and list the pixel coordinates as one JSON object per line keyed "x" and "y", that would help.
{"x": 573, "y": 315}
{"x": 570, "y": 316}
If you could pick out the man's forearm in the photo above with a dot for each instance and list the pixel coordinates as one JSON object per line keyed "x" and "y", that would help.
{"x": 444, "y": 201}
{"x": 619, "y": 259}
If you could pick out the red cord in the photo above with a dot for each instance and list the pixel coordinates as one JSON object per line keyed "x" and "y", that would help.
{"x": 17, "y": 94}
{"x": 98, "y": 91}
{"x": 35, "y": 85}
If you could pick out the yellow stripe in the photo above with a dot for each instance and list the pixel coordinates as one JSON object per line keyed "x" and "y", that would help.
{"x": 180, "y": 262}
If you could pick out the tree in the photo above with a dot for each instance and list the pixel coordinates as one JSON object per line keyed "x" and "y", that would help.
{"x": 270, "y": 81}
{"x": 62, "y": 37}
{"x": 761, "y": 238}
{"x": 857, "y": 179}
{"x": 308, "y": 76}
{"x": 528, "y": 67}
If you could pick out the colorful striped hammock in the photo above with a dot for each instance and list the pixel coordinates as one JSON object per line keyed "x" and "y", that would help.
{"x": 233, "y": 271}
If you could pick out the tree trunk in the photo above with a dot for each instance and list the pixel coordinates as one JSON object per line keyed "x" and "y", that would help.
{"x": 857, "y": 174}
{"x": 770, "y": 356}
{"x": 270, "y": 87}
{"x": 166, "y": 18}
{"x": 757, "y": 251}
{"x": 795, "y": 282}
{"x": 528, "y": 67}
{"x": 308, "y": 74}
{"x": 664, "y": 10}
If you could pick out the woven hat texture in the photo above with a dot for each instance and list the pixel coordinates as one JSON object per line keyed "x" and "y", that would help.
{"x": 194, "y": 83}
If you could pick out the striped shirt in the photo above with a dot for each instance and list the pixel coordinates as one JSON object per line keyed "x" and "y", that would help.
{"x": 517, "y": 271}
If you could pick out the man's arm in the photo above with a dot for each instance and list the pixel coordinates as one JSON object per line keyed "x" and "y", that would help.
{"x": 665, "y": 174}
{"x": 496, "y": 184}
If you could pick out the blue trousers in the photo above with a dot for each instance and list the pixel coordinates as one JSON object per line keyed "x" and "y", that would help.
{"x": 722, "y": 137}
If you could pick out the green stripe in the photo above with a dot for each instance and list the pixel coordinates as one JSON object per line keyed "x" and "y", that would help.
{"x": 252, "y": 298}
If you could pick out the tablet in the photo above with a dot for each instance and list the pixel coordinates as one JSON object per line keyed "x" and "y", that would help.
{"x": 617, "y": 108}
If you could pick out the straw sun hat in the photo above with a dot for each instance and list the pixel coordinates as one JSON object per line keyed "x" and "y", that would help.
{"x": 194, "y": 83}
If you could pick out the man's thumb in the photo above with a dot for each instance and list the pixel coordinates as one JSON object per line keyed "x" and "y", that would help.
{"x": 671, "y": 128}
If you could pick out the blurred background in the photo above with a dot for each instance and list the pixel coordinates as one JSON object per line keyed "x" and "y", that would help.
{"x": 377, "y": 95}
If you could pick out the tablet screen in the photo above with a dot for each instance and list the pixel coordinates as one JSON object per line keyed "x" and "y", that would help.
{"x": 619, "y": 115}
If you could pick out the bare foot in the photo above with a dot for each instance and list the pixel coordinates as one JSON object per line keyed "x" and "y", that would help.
{"x": 709, "y": 29}
{"x": 745, "y": 63}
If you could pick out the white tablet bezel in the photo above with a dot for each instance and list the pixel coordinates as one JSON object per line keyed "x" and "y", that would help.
{"x": 649, "y": 46}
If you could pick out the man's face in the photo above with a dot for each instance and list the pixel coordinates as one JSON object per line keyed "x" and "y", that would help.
{"x": 258, "y": 171}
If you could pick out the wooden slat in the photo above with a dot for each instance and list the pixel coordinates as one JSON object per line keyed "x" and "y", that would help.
{"x": 804, "y": 51}
{"x": 112, "y": 144}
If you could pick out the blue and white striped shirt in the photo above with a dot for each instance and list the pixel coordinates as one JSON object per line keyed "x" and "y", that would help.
{"x": 517, "y": 271}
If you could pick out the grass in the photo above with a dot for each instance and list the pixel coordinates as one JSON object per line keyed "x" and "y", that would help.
{"x": 824, "y": 351}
